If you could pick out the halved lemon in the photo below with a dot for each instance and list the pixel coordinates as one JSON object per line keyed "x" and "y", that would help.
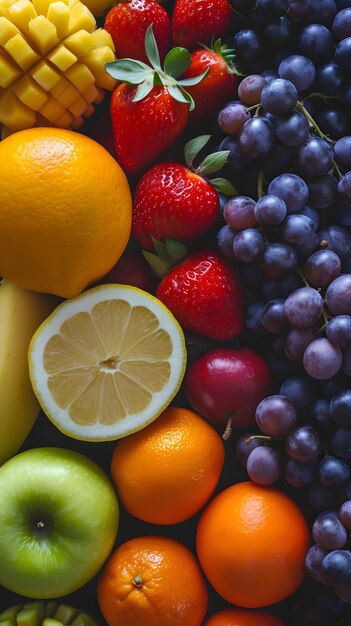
{"x": 106, "y": 363}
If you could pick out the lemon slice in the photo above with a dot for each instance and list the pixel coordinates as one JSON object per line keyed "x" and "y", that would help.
{"x": 107, "y": 363}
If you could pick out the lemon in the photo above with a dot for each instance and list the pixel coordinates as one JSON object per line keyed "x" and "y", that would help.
{"x": 106, "y": 363}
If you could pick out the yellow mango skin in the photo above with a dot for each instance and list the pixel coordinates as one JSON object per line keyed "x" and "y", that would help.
{"x": 21, "y": 313}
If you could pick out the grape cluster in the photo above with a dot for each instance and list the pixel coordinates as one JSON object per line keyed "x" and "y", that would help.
{"x": 288, "y": 229}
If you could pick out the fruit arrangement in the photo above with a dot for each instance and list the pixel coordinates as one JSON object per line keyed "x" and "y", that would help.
{"x": 175, "y": 309}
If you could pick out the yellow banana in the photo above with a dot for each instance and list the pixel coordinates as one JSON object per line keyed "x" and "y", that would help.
{"x": 21, "y": 313}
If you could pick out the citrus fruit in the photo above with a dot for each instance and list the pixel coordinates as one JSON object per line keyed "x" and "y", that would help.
{"x": 65, "y": 210}
{"x": 242, "y": 617}
{"x": 251, "y": 543}
{"x": 167, "y": 472}
{"x": 107, "y": 362}
{"x": 152, "y": 580}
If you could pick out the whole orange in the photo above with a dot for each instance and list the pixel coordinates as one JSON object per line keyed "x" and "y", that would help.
{"x": 251, "y": 543}
{"x": 242, "y": 617}
{"x": 167, "y": 472}
{"x": 65, "y": 210}
{"x": 152, "y": 580}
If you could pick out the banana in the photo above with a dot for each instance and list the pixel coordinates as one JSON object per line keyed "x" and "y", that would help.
{"x": 21, "y": 313}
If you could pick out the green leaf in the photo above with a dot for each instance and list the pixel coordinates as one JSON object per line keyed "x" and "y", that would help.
{"x": 177, "y": 94}
{"x": 160, "y": 249}
{"x": 176, "y": 62}
{"x": 195, "y": 80}
{"x": 188, "y": 97}
{"x": 151, "y": 49}
{"x": 128, "y": 70}
{"x": 193, "y": 147}
{"x": 176, "y": 249}
{"x": 213, "y": 162}
{"x": 144, "y": 88}
{"x": 224, "y": 186}
{"x": 159, "y": 267}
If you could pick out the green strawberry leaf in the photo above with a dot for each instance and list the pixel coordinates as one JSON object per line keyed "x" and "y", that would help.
{"x": 151, "y": 49}
{"x": 178, "y": 94}
{"x": 144, "y": 88}
{"x": 176, "y": 249}
{"x": 195, "y": 80}
{"x": 193, "y": 147}
{"x": 224, "y": 186}
{"x": 127, "y": 70}
{"x": 160, "y": 249}
{"x": 213, "y": 162}
{"x": 176, "y": 62}
{"x": 159, "y": 267}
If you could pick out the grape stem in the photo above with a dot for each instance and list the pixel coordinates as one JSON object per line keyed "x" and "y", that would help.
{"x": 260, "y": 192}
{"x": 249, "y": 439}
{"x": 316, "y": 94}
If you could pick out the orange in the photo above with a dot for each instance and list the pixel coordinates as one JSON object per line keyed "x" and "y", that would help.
{"x": 251, "y": 543}
{"x": 65, "y": 210}
{"x": 168, "y": 471}
{"x": 152, "y": 581}
{"x": 241, "y": 617}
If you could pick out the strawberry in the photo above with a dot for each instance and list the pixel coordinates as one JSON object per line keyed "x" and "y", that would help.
{"x": 150, "y": 107}
{"x": 134, "y": 17}
{"x": 200, "y": 21}
{"x": 205, "y": 295}
{"x": 220, "y": 84}
{"x": 175, "y": 201}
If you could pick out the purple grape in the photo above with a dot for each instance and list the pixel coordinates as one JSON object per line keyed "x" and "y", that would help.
{"x": 256, "y": 137}
{"x": 292, "y": 128}
{"x": 344, "y": 189}
{"x": 270, "y": 210}
{"x": 248, "y": 245}
{"x": 299, "y": 475}
{"x": 313, "y": 564}
{"x": 322, "y": 498}
{"x": 232, "y": 117}
{"x": 290, "y": 188}
{"x": 322, "y": 267}
{"x": 316, "y": 42}
{"x": 299, "y": 70}
{"x": 279, "y": 96}
{"x": 342, "y": 25}
{"x": 340, "y": 444}
{"x": 338, "y": 295}
{"x": 323, "y": 191}
{"x": 337, "y": 566}
{"x": 264, "y": 465}
{"x": 303, "y": 307}
{"x": 297, "y": 341}
{"x": 315, "y": 157}
{"x": 273, "y": 318}
{"x": 239, "y": 212}
{"x": 329, "y": 532}
{"x": 333, "y": 472}
{"x": 279, "y": 288}
{"x": 278, "y": 260}
{"x": 224, "y": 242}
{"x": 244, "y": 446}
{"x": 342, "y": 150}
{"x": 322, "y": 359}
{"x": 296, "y": 229}
{"x": 343, "y": 53}
{"x": 346, "y": 360}
{"x": 337, "y": 239}
{"x": 276, "y": 416}
{"x": 303, "y": 444}
{"x": 321, "y": 419}
{"x": 345, "y": 514}
{"x": 301, "y": 390}
{"x": 340, "y": 408}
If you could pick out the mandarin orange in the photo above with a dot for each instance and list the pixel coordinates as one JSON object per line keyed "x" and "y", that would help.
{"x": 251, "y": 543}
{"x": 167, "y": 472}
{"x": 152, "y": 580}
{"x": 242, "y": 617}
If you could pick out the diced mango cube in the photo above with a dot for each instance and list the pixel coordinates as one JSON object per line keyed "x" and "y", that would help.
{"x": 62, "y": 58}
{"x": 60, "y": 87}
{"x": 9, "y": 71}
{"x": 77, "y": 122}
{"x": 78, "y": 107}
{"x": 68, "y": 97}
{"x": 80, "y": 18}
{"x": 21, "y": 52}
{"x": 65, "y": 120}
{"x": 7, "y": 30}
{"x": 52, "y": 110}
{"x": 91, "y": 94}
{"x": 59, "y": 14}
{"x": 4, "y": 7}
{"x": 45, "y": 75}
{"x": 80, "y": 76}
{"x": 13, "y": 113}
{"x": 89, "y": 110}
{"x": 101, "y": 95}
{"x": 41, "y": 6}
{"x": 29, "y": 92}
{"x": 20, "y": 13}
{"x": 43, "y": 34}
{"x": 102, "y": 38}
{"x": 80, "y": 43}
{"x": 95, "y": 61}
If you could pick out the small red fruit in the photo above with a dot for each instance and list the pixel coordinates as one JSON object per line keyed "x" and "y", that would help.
{"x": 218, "y": 87}
{"x": 200, "y": 21}
{"x": 131, "y": 269}
{"x": 127, "y": 23}
{"x": 226, "y": 385}
{"x": 205, "y": 295}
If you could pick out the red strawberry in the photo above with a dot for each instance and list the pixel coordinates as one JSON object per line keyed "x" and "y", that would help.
{"x": 220, "y": 84}
{"x": 200, "y": 21}
{"x": 127, "y": 23}
{"x": 147, "y": 118}
{"x": 205, "y": 295}
{"x": 176, "y": 202}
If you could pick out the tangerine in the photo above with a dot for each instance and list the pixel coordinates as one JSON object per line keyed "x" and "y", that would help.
{"x": 65, "y": 210}
{"x": 251, "y": 543}
{"x": 167, "y": 472}
{"x": 242, "y": 617}
{"x": 152, "y": 580}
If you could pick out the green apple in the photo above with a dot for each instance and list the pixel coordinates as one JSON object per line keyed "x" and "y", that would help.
{"x": 58, "y": 522}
